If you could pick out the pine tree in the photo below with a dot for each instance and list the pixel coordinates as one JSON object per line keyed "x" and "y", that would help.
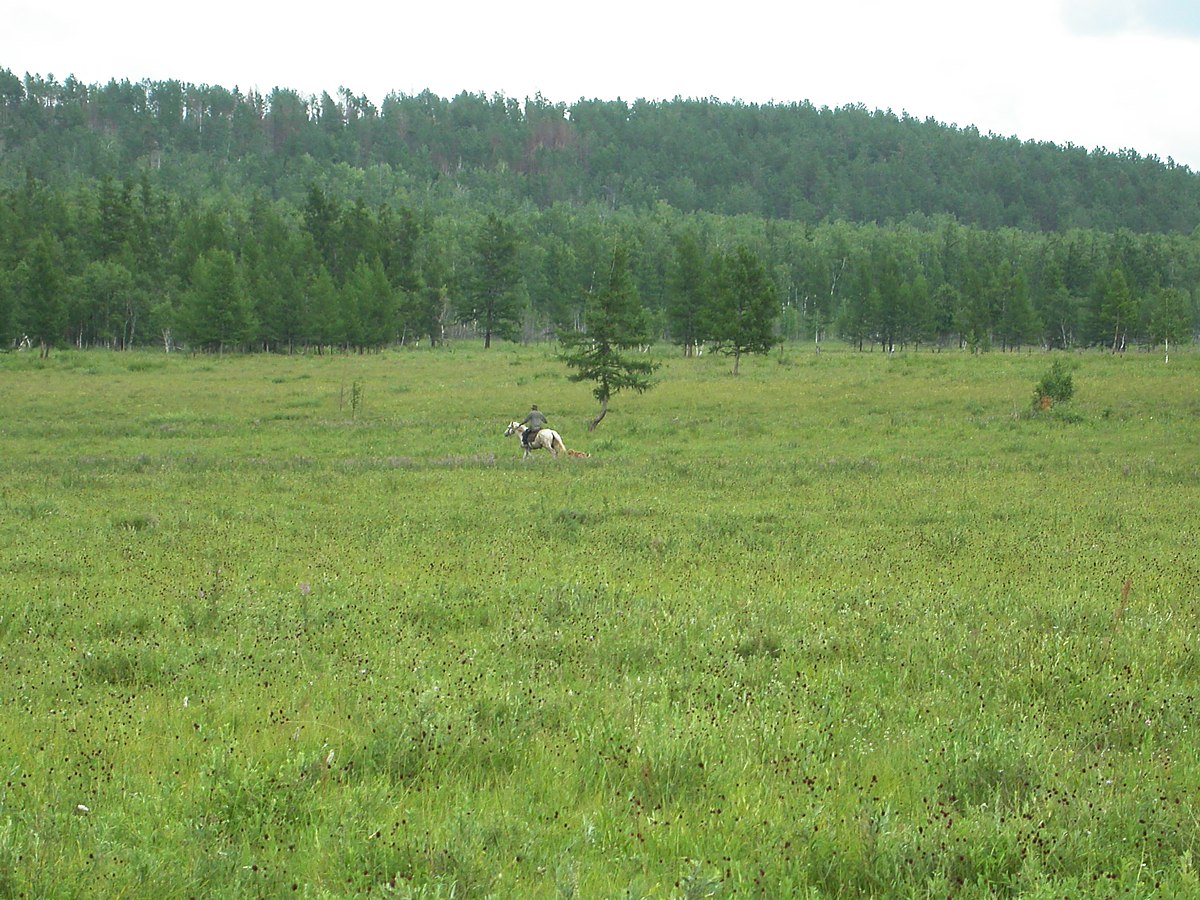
{"x": 615, "y": 323}
{"x": 489, "y": 291}
{"x": 321, "y": 322}
{"x": 40, "y": 309}
{"x": 743, "y": 317}
{"x": 1019, "y": 322}
{"x": 217, "y": 312}
{"x": 688, "y": 294}
{"x": 376, "y": 302}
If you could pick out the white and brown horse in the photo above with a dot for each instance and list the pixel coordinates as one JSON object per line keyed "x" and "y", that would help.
{"x": 545, "y": 439}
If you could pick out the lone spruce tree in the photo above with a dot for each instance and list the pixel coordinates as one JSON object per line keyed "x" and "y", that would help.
{"x": 614, "y": 324}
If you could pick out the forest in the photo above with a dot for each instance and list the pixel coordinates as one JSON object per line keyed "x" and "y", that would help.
{"x": 198, "y": 217}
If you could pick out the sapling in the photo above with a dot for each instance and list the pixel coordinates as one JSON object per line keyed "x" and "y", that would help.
{"x": 1056, "y": 386}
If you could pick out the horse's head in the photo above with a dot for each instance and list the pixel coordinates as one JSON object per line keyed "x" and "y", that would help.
{"x": 513, "y": 428}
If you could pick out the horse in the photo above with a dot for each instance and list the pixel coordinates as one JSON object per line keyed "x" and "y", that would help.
{"x": 545, "y": 439}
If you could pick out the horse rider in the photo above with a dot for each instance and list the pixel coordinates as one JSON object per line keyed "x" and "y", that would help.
{"x": 535, "y": 421}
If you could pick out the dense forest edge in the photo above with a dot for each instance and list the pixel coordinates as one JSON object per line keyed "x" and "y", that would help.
{"x": 159, "y": 212}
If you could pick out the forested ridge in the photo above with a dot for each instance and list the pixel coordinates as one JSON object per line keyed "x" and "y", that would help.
{"x": 159, "y": 211}
{"x": 793, "y": 162}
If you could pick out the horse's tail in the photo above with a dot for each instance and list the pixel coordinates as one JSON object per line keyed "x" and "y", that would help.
{"x": 557, "y": 444}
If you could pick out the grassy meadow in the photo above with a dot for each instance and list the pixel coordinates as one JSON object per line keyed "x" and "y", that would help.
{"x": 847, "y": 625}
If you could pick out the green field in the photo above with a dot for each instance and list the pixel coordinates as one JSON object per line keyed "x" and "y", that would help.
{"x": 845, "y": 625}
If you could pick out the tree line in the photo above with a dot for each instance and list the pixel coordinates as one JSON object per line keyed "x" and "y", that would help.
{"x": 123, "y": 264}
{"x": 116, "y": 231}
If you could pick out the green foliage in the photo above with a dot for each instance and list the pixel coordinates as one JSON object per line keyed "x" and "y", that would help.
{"x": 1171, "y": 317}
{"x": 1056, "y": 386}
{"x": 428, "y": 219}
{"x": 615, "y": 324}
{"x": 41, "y": 285}
{"x": 217, "y": 314}
{"x": 777, "y": 161}
{"x": 1118, "y": 310}
{"x": 689, "y": 291}
{"x": 742, "y": 318}
{"x": 489, "y": 291}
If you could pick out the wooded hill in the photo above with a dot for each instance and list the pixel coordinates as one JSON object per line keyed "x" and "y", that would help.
{"x": 166, "y": 212}
{"x": 793, "y": 162}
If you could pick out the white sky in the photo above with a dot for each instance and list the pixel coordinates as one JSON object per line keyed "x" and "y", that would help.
{"x": 1096, "y": 73}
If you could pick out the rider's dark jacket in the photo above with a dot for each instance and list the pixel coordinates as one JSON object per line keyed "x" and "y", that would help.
{"x": 535, "y": 420}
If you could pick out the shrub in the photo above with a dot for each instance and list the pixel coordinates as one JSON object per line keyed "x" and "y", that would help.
{"x": 1055, "y": 387}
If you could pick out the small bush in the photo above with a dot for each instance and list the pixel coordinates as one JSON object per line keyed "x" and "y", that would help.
{"x": 1055, "y": 387}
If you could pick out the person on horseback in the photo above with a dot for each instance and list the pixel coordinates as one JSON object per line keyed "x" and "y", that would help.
{"x": 535, "y": 422}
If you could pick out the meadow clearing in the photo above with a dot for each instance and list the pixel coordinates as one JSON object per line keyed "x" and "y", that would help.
{"x": 845, "y": 625}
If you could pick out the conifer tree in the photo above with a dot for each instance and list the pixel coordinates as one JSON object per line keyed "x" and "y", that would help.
{"x": 217, "y": 313}
{"x": 40, "y": 301}
{"x": 615, "y": 324}
{"x": 743, "y": 317}
{"x": 489, "y": 291}
{"x": 687, "y": 293}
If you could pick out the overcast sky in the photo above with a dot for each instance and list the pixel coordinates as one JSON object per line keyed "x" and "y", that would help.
{"x": 1095, "y": 73}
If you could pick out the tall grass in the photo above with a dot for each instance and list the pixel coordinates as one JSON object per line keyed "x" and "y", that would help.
{"x": 846, "y": 625}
